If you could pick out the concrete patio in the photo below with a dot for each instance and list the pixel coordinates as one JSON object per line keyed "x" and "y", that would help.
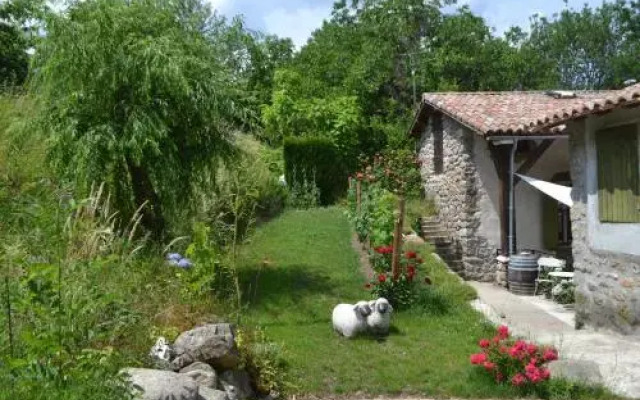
{"x": 612, "y": 359}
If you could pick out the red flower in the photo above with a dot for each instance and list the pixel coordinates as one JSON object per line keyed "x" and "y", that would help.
{"x": 411, "y": 270}
{"x": 382, "y": 278}
{"x": 518, "y": 380}
{"x": 412, "y": 254}
{"x": 484, "y": 343}
{"x": 503, "y": 331}
{"x": 478, "y": 358}
{"x": 532, "y": 349}
{"x": 488, "y": 365}
{"x": 550, "y": 355}
{"x": 499, "y": 377}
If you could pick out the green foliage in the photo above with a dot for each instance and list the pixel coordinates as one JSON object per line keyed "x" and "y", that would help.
{"x": 590, "y": 48}
{"x": 382, "y": 205}
{"x": 316, "y": 160}
{"x": 152, "y": 121}
{"x": 303, "y": 192}
{"x": 265, "y": 362}
{"x": 20, "y": 21}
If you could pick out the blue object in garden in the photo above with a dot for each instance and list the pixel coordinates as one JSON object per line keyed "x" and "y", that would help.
{"x": 174, "y": 257}
{"x": 185, "y": 263}
{"x": 174, "y": 263}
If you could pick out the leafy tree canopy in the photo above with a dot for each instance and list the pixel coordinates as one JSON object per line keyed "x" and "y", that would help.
{"x": 134, "y": 93}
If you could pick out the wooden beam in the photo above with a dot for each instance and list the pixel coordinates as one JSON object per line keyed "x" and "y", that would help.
{"x": 500, "y": 156}
{"x": 533, "y": 158}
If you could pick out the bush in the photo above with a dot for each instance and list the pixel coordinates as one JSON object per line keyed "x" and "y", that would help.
{"x": 314, "y": 158}
{"x": 402, "y": 289}
{"x": 520, "y": 363}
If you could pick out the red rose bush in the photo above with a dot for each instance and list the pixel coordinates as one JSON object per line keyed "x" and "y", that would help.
{"x": 514, "y": 361}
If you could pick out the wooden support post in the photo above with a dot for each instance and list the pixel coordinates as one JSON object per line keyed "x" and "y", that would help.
{"x": 501, "y": 155}
{"x": 397, "y": 238}
{"x": 358, "y": 196}
{"x": 533, "y": 158}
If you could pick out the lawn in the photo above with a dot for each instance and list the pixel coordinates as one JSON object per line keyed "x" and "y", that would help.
{"x": 298, "y": 267}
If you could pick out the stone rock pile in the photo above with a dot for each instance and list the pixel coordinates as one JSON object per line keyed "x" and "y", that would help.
{"x": 202, "y": 364}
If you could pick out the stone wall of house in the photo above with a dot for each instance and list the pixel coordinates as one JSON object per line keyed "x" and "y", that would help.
{"x": 608, "y": 284}
{"x": 458, "y": 194}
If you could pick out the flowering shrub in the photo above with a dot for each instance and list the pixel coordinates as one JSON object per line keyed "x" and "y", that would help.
{"x": 400, "y": 290}
{"x": 515, "y": 361}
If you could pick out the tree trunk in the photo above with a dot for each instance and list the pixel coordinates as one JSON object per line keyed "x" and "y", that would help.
{"x": 143, "y": 191}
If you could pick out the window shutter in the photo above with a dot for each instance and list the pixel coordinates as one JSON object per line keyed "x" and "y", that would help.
{"x": 618, "y": 174}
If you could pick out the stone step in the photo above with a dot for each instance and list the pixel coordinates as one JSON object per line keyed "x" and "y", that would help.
{"x": 431, "y": 226}
{"x": 436, "y": 234}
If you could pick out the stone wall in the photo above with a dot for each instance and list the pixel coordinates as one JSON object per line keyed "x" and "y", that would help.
{"x": 458, "y": 193}
{"x": 608, "y": 283}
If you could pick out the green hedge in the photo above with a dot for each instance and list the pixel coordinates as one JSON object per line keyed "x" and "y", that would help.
{"x": 314, "y": 155}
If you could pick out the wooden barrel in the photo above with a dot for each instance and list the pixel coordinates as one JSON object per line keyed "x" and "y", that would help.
{"x": 522, "y": 273}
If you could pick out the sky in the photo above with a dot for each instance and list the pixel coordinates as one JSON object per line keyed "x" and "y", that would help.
{"x": 297, "y": 19}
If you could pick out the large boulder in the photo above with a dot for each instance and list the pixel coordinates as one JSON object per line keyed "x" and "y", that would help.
{"x": 213, "y": 344}
{"x": 202, "y": 373}
{"x": 151, "y": 384}
{"x": 212, "y": 394}
{"x": 237, "y": 384}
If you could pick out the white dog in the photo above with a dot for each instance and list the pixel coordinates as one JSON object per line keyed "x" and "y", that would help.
{"x": 379, "y": 320}
{"x": 351, "y": 319}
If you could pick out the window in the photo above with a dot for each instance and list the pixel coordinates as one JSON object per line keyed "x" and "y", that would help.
{"x": 618, "y": 174}
{"x": 438, "y": 144}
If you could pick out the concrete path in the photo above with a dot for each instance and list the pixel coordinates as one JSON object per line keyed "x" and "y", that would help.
{"x": 616, "y": 356}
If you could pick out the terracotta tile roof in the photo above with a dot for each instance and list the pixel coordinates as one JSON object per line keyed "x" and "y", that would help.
{"x": 521, "y": 113}
{"x": 629, "y": 96}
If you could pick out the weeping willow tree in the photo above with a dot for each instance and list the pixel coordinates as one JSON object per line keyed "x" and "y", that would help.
{"x": 135, "y": 93}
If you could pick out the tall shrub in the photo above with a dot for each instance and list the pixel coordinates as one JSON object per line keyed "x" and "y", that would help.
{"x": 314, "y": 158}
{"x": 133, "y": 94}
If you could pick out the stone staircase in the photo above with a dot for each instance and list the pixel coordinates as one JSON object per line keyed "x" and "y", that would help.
{"x": 433, "y": 232}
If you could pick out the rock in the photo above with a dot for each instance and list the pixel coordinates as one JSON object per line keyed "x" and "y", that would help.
{"x": 202, "y": 373}
{"x": 152, "y": 384}
{"x": 237, "y": 384}
{"x": 161, "y": 353}
{"x": 581, "y": 371}
{"x": 213, "y": 344}
{"x": 212, "y": 394}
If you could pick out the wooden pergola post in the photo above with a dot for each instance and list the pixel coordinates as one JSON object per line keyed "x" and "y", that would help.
{"x": 501, "y": 159}
{"x": 397, "y": 238}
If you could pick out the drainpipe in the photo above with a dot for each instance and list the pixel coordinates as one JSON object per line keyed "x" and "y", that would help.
{"x": 512, "y": 233}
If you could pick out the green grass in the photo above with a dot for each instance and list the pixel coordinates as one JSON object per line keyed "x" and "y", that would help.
{"x": 310, "y": 267}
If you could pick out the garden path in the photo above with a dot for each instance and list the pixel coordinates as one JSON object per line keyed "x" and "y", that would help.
{"x": 617, "y": 357}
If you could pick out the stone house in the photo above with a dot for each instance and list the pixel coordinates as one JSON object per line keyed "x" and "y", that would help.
{"x": 475, "y": 148}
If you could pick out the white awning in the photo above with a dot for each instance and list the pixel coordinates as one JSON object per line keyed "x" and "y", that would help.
{"x": 558, "y": 192}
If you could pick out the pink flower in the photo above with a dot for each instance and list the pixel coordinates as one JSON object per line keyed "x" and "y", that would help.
{"x": 484, "y": 343}
{"x": 478, "y": 358}
{"x": 532, "y": 349}
{"x": 488, "y": 365}
{"x": 530, "y": 369}
{"x": 545, "y": 374}
{"x": 518, "y": 380}
{"x": 550, "y": 354}
{"x": 503, "y": 331}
